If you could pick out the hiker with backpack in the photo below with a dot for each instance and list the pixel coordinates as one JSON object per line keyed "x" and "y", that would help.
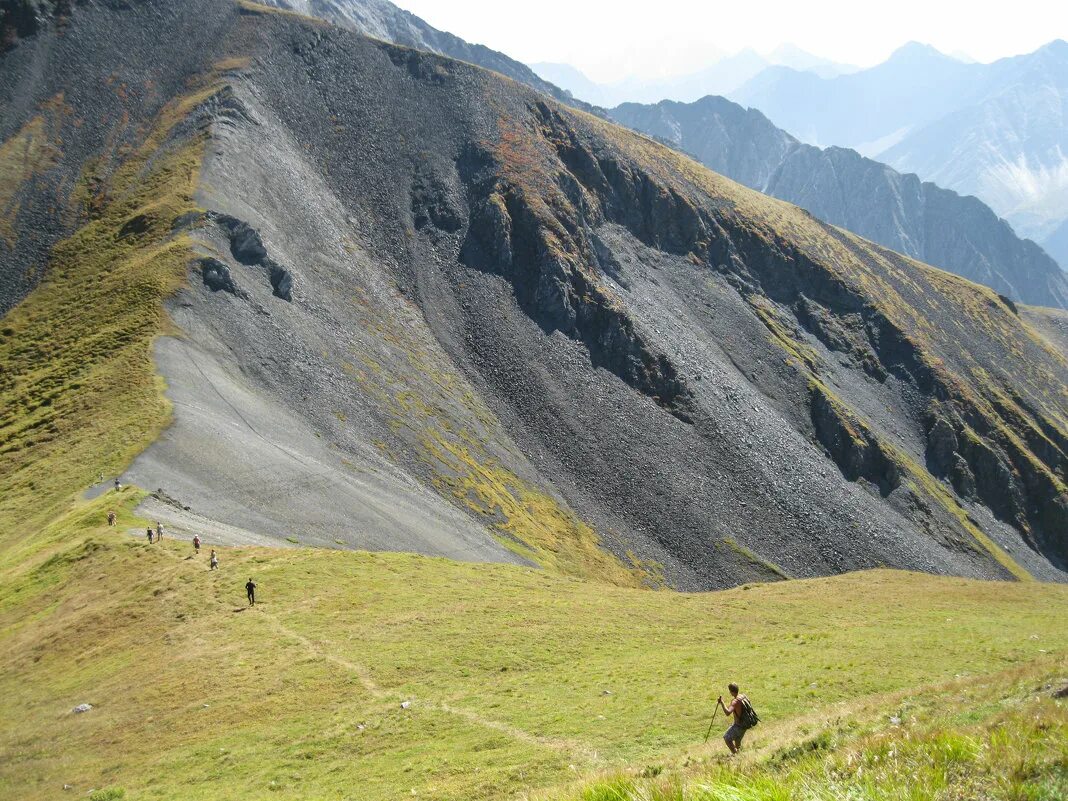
{"x": 196, "y": 544}
{"x": 745, "y": 717}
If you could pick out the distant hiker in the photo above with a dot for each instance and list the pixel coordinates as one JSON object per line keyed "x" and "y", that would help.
{"x": 196, "y": 543}
{"x": 250, "y": 588}
{"x": 118, "y": 484}
{"x": 214, "y": 560}
{"x": 745, "y": 718}
{"x": 111, "y": 518}
{"x": 149, "y": 533}
{"x": 159, "y": 531}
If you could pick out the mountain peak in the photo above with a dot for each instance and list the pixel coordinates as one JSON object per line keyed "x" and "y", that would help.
{"x": 1058, "y": 47}
{"x": 914, "y": 51}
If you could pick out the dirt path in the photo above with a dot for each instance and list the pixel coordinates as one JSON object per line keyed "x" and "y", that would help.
{"x": 574, "y": 750}
{"x": 180, "y": 524}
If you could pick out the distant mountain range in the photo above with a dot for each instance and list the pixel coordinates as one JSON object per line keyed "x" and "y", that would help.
{"x": 998, "y": 131}
{"x": 719, "y": 78}
{"x": 919, "y": 219}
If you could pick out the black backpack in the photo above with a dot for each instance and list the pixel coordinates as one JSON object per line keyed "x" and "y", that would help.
{"x": 749, "y": 715}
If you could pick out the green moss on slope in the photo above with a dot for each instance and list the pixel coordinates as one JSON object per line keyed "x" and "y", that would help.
{"x": 79, "y": 392}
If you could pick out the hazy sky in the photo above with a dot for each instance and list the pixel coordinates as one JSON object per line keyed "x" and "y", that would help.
{"x": 610, "y": 40}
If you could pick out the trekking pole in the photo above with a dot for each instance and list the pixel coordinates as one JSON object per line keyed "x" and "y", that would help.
{"x": 712, "y": 723}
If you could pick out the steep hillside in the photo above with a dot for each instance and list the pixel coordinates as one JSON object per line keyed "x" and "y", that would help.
{"x": 383, "y": 20}
{"x": 63, "y": 134}
{"x": 487, "y": 326}
{"x": 840, "y": 186}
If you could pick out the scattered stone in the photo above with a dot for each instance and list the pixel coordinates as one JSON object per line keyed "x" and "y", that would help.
{"x": 895, "y": 720}
{"x": 406, "y": 704}
{"x": 81, "y": 708}
{"x": 245, "y": 243}
{"x": 281, "y": 280}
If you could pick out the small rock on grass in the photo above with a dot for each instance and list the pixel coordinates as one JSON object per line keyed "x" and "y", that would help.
{"x": 81, "y": 708}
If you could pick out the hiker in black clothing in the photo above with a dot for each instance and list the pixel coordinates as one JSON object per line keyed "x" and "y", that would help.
{"x": 149, "y": 532}
{"x": 745, "y": 718}
{"x": 250, "y": 588}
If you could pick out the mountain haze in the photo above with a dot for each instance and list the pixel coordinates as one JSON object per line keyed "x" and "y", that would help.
{"x": 838, "y": 185}
{"x": 996, "y": 131}
{"x": 723, "y": 76}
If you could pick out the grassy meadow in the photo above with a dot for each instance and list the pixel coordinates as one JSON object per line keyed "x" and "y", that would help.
{"x": 518, "y": 682}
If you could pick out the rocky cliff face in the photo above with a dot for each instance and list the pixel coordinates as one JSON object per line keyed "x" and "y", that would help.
{"x": 425, "y": 294}
{"x": 919, "y": 219}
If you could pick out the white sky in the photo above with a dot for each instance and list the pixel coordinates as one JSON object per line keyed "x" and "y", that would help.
{"x": 611, "y": 40}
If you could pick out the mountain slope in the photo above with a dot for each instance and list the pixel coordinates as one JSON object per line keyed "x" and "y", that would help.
{"x": 383, "y": 20}
{"x": 916, "y": 218}
{"x": 610, "y": 361}
{"x": 864, "y": 107}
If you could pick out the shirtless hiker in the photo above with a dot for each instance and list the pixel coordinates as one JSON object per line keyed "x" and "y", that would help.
{"x": 745, "y": 717}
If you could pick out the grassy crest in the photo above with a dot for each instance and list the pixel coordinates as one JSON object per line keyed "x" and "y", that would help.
{"x": 78, "y": 389}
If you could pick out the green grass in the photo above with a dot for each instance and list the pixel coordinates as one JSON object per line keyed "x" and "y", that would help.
{"x": 506, "y": 668}
{"x": 1003, "y": 738}
{"x": 78, "y": 390}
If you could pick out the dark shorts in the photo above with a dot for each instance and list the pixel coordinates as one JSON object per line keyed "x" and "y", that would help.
{"x": 734, "y": 734}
